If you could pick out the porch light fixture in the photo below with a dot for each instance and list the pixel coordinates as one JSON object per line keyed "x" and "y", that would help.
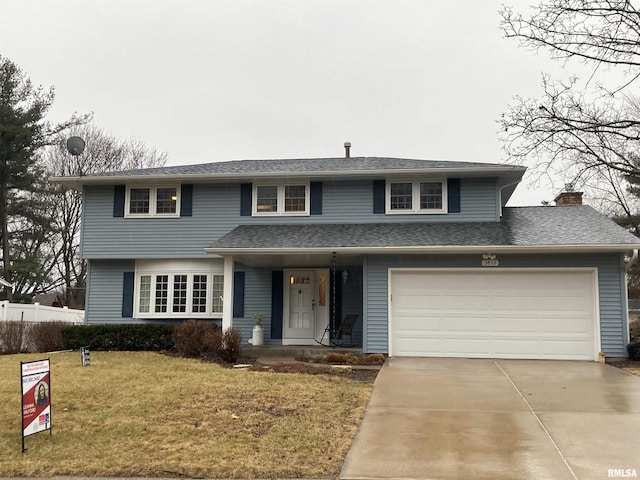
{"x": 345, "y": 276}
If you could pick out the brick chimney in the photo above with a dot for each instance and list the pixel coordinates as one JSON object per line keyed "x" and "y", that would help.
{"x": 568, "y": 198}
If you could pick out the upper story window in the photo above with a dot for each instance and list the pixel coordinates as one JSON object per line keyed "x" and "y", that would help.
{"x": 152, "y": 201}
{"x": 281, "y": 199}
{"x": 416, "y": 196}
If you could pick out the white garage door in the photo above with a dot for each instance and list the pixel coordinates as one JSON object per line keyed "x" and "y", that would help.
{"x": 493, "y": 314}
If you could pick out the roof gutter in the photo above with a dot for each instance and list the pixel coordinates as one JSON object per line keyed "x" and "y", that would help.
{"x": 224, "y": 177}
{"x": 470, "y": 249}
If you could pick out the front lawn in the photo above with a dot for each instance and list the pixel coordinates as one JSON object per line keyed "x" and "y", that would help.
{"x": 146, "y": 414}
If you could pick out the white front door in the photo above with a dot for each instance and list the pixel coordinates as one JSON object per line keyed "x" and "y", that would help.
{"x": 306, "y": 306}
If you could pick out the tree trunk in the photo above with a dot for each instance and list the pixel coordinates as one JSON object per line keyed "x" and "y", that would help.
{"x": 4, "y": 231}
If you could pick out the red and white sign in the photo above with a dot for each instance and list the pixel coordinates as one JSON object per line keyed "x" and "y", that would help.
{"x": 36, "y": 397}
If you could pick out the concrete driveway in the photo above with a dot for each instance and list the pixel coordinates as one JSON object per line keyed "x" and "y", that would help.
{"x": 498, "y": 419}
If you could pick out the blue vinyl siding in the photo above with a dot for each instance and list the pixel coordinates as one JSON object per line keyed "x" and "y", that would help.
{"x": 216, "y": 211}
{"x": 611, "y": 286}
{"x": 105, "y": 280}
{"x": 257, "y": 299}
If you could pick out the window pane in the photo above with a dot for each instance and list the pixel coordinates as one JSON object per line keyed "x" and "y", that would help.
{"x": 179, "y": 293}
{"x": 139, "y": 200}
{"x": 162, "y": 293}
{"x": 218, "y": 292}
{"x": 166, "y": 200}
{"x": 401, "y": 197}
{"x": 267, "y": 199}
{"x": 430, "y": 195}
{"x": 145, "y": 294}
{"x": 199, "y": 300}
{"x": 294, "y": 198}
{"x": 322, "y": 291}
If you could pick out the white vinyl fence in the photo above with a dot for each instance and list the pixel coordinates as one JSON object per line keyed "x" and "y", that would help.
{"x": 36, "y": 313}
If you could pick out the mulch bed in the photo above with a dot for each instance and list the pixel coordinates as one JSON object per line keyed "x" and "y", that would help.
{"x": 632, "y": 366}
{"x": 354, "y": 373}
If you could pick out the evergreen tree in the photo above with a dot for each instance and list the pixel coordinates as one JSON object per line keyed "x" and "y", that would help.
{"x": 24, "y": 220}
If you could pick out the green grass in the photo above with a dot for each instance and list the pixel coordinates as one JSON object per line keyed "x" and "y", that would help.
{"x": 145, "y": 414}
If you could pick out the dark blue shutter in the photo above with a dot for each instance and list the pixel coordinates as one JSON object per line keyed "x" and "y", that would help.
{"x": 127, "y": 294}
{"x": 238, "y": 294}
{"x": 315, "y": 200}
{"x": 277, "y": 285}
{"x": 453, "y": 195}
{"x": 379, "y": 196}
{"x": 245, "y": 199}
{"x": 118, "y": 200}
{"x": 186, "y": 200}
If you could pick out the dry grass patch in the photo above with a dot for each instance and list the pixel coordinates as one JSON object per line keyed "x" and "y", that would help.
{"x": 145, "y": 414}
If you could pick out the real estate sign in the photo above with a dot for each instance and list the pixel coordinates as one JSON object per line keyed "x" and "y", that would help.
{"x": 36, "y": 397}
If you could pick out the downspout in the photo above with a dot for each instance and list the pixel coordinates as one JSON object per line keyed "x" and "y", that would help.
{"x": 627, "y": 266}
{"x": 632, "y": 261}
{"x": 500, "y": 195}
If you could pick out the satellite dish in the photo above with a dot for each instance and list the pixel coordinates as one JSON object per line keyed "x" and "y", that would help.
{"x": 75, "y": 145}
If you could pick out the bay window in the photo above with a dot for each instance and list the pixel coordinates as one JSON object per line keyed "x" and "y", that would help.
{"x": 178, "y": 289}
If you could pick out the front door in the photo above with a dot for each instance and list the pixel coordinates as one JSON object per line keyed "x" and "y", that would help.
{"x": 306, "y": 309}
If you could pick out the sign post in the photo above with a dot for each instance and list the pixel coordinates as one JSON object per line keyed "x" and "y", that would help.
{"x": 85, "y": 356}
{"x": 36, "y": 397}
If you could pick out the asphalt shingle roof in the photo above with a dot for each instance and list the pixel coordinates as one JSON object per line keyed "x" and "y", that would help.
{"x": 307, "y": 165}
{"x": 520, "y": 227}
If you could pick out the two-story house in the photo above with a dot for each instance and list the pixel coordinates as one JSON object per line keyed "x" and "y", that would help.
{"x": 426, "y": 253}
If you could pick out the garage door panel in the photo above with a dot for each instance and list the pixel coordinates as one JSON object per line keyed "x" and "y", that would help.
{"x": 519, "y": 348}
{"x": 472, "y": 302}
{"x": 419, "y": 299}
{"x": 515, "y": 325}
{"x": 516, "y": 303}
{"x": 518, "y": 314}
{"x": 463, "y": 345}
{"x": 567, "y": 347}
{"x": 570, "y": 326}
{"x": 476, "y": 324}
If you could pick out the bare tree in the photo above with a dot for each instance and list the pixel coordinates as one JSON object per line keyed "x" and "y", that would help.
{"x": 583, "y": 131}
{"x": 103, "y": 152}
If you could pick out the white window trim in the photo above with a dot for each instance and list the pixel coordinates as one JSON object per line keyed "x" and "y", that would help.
{"x": 415, "y": 192}
{"x": 170, "y": 269}
{"x": 281, "y": 198}
{"x": 153, "y": 192}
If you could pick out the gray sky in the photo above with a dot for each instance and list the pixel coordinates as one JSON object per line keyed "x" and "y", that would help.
{"x": 249, "y": 79}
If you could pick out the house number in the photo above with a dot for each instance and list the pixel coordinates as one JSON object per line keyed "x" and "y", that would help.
{"x": 491, "y": 263}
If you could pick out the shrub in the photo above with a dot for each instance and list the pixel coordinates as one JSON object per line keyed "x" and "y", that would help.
{"x": 230, "y": 350}
{"x": 340, "y": 358}
{"x": 374, "y": 359}
{"x": 46, "y": 336}
{"x": 14, "y": 337}
{"x": 196, "y": 338}
{"x": 122, "y": 337}
{"x": 634, "y": 349}
{"x": 634, "y": 329}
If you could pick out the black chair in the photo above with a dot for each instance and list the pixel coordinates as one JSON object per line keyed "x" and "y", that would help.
{"x": 345, "y": 328}
{"x": 335, "y": 335}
